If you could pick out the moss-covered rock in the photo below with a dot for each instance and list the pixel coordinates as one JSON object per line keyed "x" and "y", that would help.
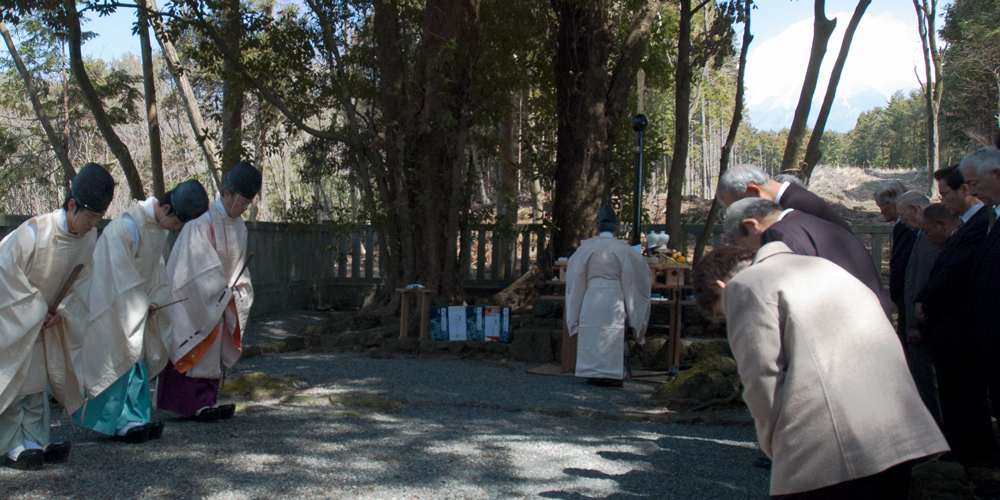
{"x": 259, "y": 386}
{"x": 710, "y": 382}
{"x": 697, "y": 351}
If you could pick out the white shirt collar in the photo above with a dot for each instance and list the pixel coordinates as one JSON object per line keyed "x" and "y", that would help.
{"x": 147, "y": 206}
{"x": 781, "y": 191}
{"x": 970, "y": 212}
{"x": 606, "y": 234}
{"x": 785, "y": 212}
{"x": 61, "y": 219}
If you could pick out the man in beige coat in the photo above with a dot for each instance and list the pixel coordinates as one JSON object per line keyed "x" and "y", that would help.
{"x": 823, "y": 372}
{"x": 607, "y": 292}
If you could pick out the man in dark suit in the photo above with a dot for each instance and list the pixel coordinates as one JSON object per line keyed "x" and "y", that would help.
{"x": 911, "y": 209}
{"x": 982, "y": 173}
{"x": 945, "y": 306}
{"x": 753, "y": 222}
{"x": 903, "y": 238}
{"x": 746, "y": 181}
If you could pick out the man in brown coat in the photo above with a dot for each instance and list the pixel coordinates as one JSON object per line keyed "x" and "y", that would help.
{"x": 824, "y": 375}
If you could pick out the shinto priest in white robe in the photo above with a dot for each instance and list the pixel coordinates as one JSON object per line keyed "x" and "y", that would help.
{"x": 35, "y": 261}
{"x": 205, "y": 260}
{"x": 607, "y": 283}
{"x": 110, "y": 318}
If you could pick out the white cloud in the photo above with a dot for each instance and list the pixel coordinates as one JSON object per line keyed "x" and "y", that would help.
{"x": 883, "y": 54}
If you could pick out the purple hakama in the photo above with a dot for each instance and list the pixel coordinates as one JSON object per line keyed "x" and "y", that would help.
{"x": 181, "y": 394}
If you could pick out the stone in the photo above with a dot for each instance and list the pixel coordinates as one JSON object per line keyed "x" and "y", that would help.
{"x": 532, "y": 345}
{"x": 940, "y": 481}
{"x": 713, "y": 381}
{"x": 435, "y": 348}
{"x": 650, "y": 355}
{"x": 700, "y": 350}
{"x": 259, "y": 386}
{"x": 562, "y": 412}
{"x": 547, "y": 309}
{"x": 302, "y": 399}
{"x": 409, "y": 345}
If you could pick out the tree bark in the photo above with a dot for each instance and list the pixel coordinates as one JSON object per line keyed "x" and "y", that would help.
{"x": 682, "y": 105}
{"x": 822, "y": 29}
{"x": 734, "y": 126}
{"x": 507, "y": 199}
{"x": 115, "y": 144}
{"x": 813, "y": 154}
{"x": 198, "y": 126}
{"x": 934, "y": 85}
{"x": 36, "y": 104}
{"x": 149, "y": 91}
{"x": 232, "y": 89}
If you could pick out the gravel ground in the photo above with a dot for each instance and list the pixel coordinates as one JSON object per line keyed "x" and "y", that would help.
{"x": 466, "y": 430}
{"x": 280, "y": 326}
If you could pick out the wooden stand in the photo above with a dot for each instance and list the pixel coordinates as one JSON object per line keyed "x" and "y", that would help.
{"x": 425, "y": 308}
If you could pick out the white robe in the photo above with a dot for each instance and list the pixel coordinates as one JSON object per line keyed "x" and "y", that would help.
{"x": 25, "y": 294}
{"x": 208, "y": 253}
{"x": 607, "y": 281}
{"x": 108, "y": 317}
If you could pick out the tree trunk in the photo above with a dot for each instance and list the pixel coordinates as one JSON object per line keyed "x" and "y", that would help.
{"x": 198, "y": 126}
{"x": 682, "y": 105}
{"x": 232, "y": 89}
{"x": 934, "y": 85}
{"x": 822, "y": 29}
{"x": 149, "y": 88}
{"x": 36, "y": 104}
{"x": 581, "y": 140}
{"x": 507, "y": 193}
{"x": 734, "y": 126}
{"x": 115, "y": 144}
{"x": 813, "y": 153}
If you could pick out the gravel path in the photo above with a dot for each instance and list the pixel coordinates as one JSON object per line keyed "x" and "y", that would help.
{"x": 465, "y": 431}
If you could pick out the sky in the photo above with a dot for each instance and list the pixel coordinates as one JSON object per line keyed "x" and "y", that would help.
{"x": 885, "y": 50}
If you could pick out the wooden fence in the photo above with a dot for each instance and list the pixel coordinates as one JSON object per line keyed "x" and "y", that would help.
{"x": 295, "y": 253}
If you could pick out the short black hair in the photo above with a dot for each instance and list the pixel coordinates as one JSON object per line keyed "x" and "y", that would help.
{"x": 720, "y": 264}
{"x": 952, "y": 176}
{"x": 937, "y": 212}
{"x": 66, "y": 204}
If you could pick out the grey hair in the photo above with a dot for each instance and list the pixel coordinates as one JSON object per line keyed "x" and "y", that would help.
{"x": 912, "y": 198}
{"x": 783, "y": 178}
{"x": 735, "y": 181}
{"x": 984, "y": 161}
{"x": 889, "y": 192}
{"x": 747, "y": 208}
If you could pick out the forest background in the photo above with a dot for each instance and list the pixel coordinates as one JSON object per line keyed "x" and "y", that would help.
{"x": 437, "y": 114}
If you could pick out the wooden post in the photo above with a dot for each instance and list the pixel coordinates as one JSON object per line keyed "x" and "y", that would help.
{"x": 425, "y": 316}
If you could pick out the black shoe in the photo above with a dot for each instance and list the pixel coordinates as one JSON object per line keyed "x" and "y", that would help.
{"x": 136, "y": 435}
{"x": 155, "y": 430}
{"x": 208, "y": 415}
{"x": 227, "y": 411}
{"x": 57, "y": 452}
{"x": 32, "y": 459}
{"x": 605, "y": 382}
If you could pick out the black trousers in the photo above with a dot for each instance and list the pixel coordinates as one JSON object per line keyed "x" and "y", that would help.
{"x": 964, "y": 379}
{"x": 890, "y": 484}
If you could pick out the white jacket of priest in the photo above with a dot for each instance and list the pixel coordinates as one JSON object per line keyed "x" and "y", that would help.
{"x": 607, "y": 281}
{"x": 208, "y": 253}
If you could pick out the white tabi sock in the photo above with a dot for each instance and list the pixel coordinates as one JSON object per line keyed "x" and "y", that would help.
{"x": 124, "y": 430}
{"x": 198, "y": 413}
{"x": 12, "y": 454}
{"x": 31, "y": 445}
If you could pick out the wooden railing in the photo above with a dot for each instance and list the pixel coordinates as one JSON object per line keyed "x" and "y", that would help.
{"x": 295, "y": 253}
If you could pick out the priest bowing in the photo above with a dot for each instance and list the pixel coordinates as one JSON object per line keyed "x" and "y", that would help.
{"x": 607, "y": 296}
{"x": 207, "y": 267}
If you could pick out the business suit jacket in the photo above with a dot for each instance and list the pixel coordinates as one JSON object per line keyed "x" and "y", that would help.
{"x": 802, "y": 199}
{"x": 947, "y": 298}
{"x": 986, "y": 283}
{"x": 903, "y": 239}
{"x": 918, "y": 271}
{"x": 824, "y": 375}
{"x": 809, "y": 235}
